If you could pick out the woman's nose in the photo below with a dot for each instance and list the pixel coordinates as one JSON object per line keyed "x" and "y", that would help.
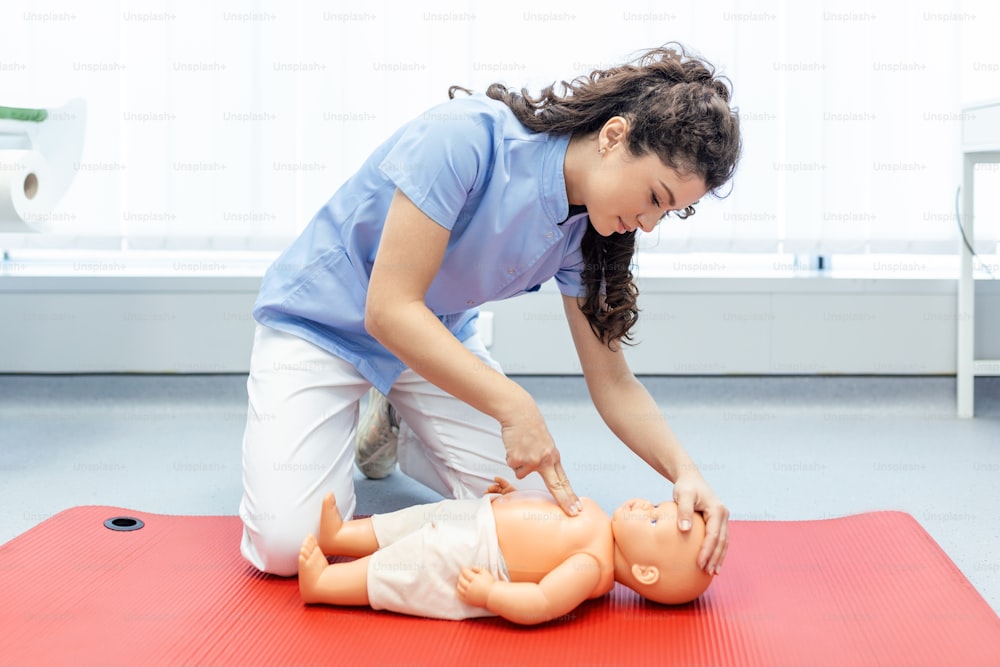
{"x": 647, "y": 221}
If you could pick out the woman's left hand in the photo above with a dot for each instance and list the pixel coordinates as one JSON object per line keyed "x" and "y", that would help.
{"x": 692, "y": 493}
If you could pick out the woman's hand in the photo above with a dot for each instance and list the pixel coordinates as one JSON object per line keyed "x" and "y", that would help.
{"x": 530, "y": 448}
{"x": 692, "y": 493}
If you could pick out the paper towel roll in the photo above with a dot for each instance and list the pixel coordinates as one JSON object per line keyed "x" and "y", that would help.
{"x": 25, "y": 197}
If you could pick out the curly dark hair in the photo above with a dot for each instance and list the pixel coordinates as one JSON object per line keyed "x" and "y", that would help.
{"x": 677, "y": 108}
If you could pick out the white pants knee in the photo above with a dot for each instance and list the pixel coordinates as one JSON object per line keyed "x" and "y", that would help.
{"x": 299, "y": 442}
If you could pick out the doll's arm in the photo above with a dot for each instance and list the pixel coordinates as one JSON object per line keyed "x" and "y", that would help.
{"x": 558, "y": 593}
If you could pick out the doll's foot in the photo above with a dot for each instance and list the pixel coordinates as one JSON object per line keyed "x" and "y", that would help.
{"x": 330, "y": 523}
{"x": 312, "y": 562}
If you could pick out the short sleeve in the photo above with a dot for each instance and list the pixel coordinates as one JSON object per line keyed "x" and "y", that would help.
{"x": 569, "y": 277}
{"x": 441, "y": 156}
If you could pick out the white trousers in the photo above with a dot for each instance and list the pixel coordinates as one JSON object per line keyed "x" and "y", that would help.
{"x": 299, "y": 442}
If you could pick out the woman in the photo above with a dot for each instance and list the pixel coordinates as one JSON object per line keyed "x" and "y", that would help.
{"x": 481, "y": 198}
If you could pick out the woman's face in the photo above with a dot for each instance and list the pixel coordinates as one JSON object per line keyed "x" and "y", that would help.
{"x": 624, "y": 192}
{"x": 629, "y": 193}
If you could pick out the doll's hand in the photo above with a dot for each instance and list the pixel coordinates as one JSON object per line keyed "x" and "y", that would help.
{"x": 474, "y": 586}
{"x": 501, "y": 486}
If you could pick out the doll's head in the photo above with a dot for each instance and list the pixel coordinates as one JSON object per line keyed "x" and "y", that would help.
{"x": 653, "y": 557}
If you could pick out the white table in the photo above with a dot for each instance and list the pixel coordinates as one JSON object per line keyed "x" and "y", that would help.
{"x": 980, "y": 145}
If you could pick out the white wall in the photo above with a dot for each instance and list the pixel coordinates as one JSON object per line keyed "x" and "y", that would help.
{"x": 693, "y": 325}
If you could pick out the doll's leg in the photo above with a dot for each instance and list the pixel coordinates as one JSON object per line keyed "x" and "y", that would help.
{"x": 339, "y": 583}
{"x": 344, "y": 538}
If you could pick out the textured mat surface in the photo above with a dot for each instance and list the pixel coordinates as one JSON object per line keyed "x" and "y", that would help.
{"x": 870, "y": 589}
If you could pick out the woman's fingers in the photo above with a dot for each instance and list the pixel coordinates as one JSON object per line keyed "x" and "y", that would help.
{"x": 559, "y": 486}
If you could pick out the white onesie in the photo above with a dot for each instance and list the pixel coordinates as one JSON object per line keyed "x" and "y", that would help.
{"x": 422, "y": 550}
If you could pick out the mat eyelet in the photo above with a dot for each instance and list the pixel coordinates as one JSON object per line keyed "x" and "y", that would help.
{"x": 123, "y": 523}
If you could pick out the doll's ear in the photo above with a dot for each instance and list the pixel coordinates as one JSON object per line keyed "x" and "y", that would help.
{"x": 646, "y": 574}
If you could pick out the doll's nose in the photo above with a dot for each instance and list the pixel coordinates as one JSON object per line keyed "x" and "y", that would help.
{"x": 642, "y": 503}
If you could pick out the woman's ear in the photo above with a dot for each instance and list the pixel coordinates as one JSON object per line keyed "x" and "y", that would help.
{"x": 613, "y": 133}
{"x": 646, "y": 574}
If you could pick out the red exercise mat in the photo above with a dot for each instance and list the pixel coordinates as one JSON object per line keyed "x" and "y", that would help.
{"x": 870, "y": 589}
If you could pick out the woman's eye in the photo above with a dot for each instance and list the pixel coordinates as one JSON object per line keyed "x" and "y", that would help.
{"x": 656, "y": 202}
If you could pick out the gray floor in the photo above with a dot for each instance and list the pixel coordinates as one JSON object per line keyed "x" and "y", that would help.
{"x": 775, "y": 448}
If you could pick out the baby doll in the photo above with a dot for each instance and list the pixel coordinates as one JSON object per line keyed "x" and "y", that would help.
{"x": 512, "y": 553}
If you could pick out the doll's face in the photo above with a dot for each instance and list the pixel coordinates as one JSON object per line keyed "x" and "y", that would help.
{"x": 653, "y": 557}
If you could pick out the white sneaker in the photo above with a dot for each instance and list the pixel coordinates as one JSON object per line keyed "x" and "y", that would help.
{"x": 378, "y": 436}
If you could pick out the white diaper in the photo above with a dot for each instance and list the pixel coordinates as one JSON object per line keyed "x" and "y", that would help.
{"x": 421, "y": 553}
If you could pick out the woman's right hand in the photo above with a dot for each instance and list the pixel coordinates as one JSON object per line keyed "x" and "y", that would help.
{"x": 397, "y": 316}
{"x": 530, "y": 448}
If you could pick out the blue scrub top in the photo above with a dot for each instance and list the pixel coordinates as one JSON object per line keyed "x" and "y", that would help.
{"x": 474, "y": 169}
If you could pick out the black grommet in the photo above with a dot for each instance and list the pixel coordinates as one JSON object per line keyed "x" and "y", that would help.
{"x": 124, "y": 523}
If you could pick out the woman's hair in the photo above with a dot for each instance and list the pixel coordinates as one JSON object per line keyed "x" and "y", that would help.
{"x": 677, "y": 109}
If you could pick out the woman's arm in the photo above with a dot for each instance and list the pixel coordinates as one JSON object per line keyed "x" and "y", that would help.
{"x": 409, "y": 256}
{"x": 631, "y": 413}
